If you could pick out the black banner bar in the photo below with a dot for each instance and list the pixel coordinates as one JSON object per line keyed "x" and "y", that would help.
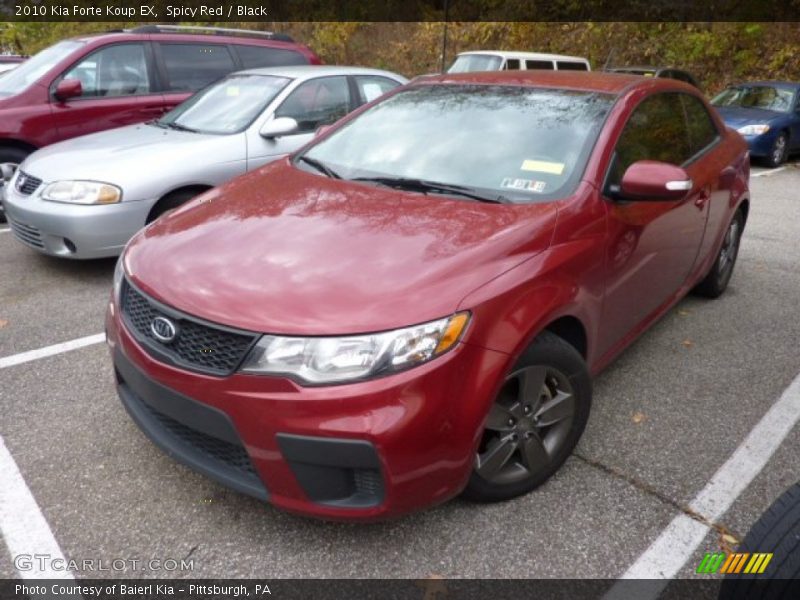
{"x": 205, "y": 11}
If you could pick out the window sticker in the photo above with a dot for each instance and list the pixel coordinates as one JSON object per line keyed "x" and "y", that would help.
{"x": 542, "y": 166}
{"x": 232, "y": 91}
{"x": 527, "y": 185}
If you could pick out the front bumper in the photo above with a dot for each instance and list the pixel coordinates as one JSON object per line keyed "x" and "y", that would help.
{"x": 360, "y": 451}
{"x": 761, "y": 145}
{"x": 72, "y": 230}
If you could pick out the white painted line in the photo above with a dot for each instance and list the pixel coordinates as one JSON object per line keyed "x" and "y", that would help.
{"x": 769, "y": 172}
{"x": 24, "y": 528}
{"x": 667, "y": 555}
{"x": 18, "y": 359}
{"x": 4, "y": 229}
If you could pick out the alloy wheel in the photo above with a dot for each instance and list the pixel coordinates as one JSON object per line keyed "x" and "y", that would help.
{"x": 527, "y": 426}
{"x": 730, "y": 247}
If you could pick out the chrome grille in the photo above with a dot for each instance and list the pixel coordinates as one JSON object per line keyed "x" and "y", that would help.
{"x": 27, "y": 184}
{"x": 27, "y": 234}
{"x": 198, "y": 346}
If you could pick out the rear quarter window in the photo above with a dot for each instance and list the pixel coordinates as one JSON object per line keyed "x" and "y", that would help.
{"x": 254, "y": 57}
{"x": 193, "y": 66}
{"x": 540, "y": 64}
{"x": 702, "y": 130}
{"x": 564, "y": 65}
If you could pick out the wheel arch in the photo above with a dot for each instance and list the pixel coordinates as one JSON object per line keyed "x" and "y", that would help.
{"x": 570, "y": 329}
{"x": 195, "y": 188}
{"x": 18, "y": 144}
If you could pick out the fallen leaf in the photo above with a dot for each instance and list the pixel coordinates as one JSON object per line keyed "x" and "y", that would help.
{"x": 638, "y": 417}
{"x": 3, "y": 323}
{"x": 688, "y": 343}
{"x": 683, "y": 312}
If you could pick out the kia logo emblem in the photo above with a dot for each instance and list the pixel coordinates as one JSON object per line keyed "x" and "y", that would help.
{"x": 163, "y": 329}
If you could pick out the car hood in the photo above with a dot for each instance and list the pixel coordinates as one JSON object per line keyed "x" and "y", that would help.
{"x": 123, "y": 155}
{"x": 737, "y": 116}
{"x": 284, "y": 251}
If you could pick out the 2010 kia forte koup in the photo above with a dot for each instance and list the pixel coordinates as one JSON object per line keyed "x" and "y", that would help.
{"x": 411, "y": 307}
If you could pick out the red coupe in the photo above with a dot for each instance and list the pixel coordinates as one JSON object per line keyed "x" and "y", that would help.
{"x": 413, "y": 305}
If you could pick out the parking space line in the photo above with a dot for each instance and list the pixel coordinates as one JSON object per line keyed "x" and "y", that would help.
{"x": 672, "y": 549}
{"x": 23, "y": 357}
{"x": 4, "y": 229}
{"x": 769, "y": 172}
{"x": 23, "y": 527}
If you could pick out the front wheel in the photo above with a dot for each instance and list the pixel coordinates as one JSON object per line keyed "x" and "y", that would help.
{"x": 779, "y": 151}
{"x": 716, "y": 282}
{"x": 535, "y": 422}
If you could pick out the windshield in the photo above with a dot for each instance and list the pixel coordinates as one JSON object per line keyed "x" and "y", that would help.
{"x": 228, "y": 106}
{"x": 31, "y": 70}
{"x": 519, "y": 143}
{"x": 756, "y": 96}
{"x": 469, "y": 63}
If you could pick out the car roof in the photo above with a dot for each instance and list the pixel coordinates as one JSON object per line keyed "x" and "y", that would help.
{"x": 592, "y": 81}
{"x": 134, "y": 36}
{"x": 524, "y": 55}
{"x": 308, "y": 71}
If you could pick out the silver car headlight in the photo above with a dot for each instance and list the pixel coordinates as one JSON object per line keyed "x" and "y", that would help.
{"x": 754, "y": 129}
{"x": 82, "y": 192}
{"x": 119, "y": 274}
{"x": 324, "y": 360}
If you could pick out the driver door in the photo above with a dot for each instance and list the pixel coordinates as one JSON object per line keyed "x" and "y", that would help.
{"x": 652, "y": 244}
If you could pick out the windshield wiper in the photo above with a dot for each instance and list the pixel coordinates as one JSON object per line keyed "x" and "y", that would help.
{"x": 423, "y": 186}
{"x": 179, "y": 127}
{"x": 320, "y": 166}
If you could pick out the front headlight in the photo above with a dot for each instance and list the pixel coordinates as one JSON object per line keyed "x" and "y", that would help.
{"x": 324, "y": 360}
{"x": 82, "y": 192}
{"x": 119, "y": 273}
{"x": 753, "y": 129}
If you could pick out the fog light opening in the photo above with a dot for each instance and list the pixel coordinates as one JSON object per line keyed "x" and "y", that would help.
{"x": 69, "y": 245}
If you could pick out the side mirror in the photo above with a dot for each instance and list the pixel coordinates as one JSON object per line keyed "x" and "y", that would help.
{"x": 278, "y": 127}
{"x": 68, "y": 88}
{"x": 654, "y": 180}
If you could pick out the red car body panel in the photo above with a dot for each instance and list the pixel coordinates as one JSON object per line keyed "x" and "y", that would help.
{"x": 34, "y": 118}
{"x": 285, "y": 251}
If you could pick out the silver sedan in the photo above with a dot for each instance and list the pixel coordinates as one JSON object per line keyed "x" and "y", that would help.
{"x": 86, "y": 197}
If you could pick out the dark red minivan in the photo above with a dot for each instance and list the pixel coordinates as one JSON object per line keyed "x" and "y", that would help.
{"x": 412, "y": 306}
{"x": 98, "y": 82}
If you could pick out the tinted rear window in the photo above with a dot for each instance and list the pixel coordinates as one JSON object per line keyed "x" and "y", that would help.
{"x": 564, "y": 65}
{"x": 540, "y": 64}
{"x": 253, "y": 57}
{"x": 193, "y": 66}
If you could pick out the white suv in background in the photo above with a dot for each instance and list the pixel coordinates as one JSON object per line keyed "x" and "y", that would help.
{"x": 498, "y": 60}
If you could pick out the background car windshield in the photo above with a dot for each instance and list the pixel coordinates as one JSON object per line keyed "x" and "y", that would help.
{"x": 32, "y": 69}
{"x": 229, "y": 106}
{"x": 525, "y": 144}
{"x": 760, "y": 96}
{"x": 468, "y": 63}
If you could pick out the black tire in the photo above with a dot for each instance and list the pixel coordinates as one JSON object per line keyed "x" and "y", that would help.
{"x": 170, "y": 202}
{"x": 776, "y": 531}
{"x": 716, "y": 282}
{"x": 14, "y": 156}
{"x": 563, "y": 374}
{"x": 779, "y": 151}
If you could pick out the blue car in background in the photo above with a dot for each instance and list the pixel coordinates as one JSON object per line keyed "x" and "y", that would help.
{"x": 767, "y": 114}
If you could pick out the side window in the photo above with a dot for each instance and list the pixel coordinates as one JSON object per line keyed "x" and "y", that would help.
{"x": 119, "y": 70}
{"x": 568, "y": 65}
{"x": 317, "y": 102}
{"x": 373, "y": 86}
{"x": 193, "y": 66}
{"x": 540, "y": 64}
{"x": 512, "y": 64}
{"x": 253, "y": 57}
{"x": 656, "y": 130}
{"x": 702, "y": 131}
